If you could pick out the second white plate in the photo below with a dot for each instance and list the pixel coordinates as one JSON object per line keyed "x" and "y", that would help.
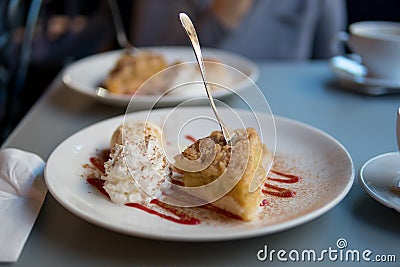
{"x": 86, "y": 75}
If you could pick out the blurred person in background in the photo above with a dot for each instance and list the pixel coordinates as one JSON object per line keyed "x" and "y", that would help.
{"x": 37, "y": 38}
{"x": 67, "y": 30}
{"x": 258, "y": 29}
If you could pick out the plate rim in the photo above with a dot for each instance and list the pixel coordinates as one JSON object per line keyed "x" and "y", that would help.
{"x": 249, "y": 233}
{"x": 367, "y": 189}
{"x": 124, "y": 100}
{"x": 362, "y": 80}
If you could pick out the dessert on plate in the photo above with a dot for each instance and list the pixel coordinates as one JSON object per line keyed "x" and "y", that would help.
{"x": 231, "y": 179}
{"x": 132, "y": 72}
{"x": 137, "y": 170}
{"x": 132, "y": 130}
{"x": 244, "y": 162}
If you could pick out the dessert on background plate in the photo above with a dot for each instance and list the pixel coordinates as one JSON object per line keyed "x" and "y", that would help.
{"x": 132, "y": 70}
{"x": 142, "y": 73}
{"x": 87, "y": 75}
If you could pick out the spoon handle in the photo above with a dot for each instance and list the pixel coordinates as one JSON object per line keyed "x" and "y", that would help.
{"x": 191, "y": 32}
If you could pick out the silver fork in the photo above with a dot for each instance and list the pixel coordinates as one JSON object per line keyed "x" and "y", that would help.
{"x": 119, "y": 28}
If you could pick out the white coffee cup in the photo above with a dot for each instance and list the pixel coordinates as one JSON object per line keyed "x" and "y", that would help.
{"x": 378, "y": 45}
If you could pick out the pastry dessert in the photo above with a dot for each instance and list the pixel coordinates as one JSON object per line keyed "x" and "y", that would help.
{"x": 137, "y": 170}
{"x": 246, "y": 157}
{"x": 132, "y": 70}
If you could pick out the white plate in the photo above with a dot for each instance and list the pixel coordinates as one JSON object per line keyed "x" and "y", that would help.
{"x": 85, "y": 75}
{"x": 323, "y": 163}
{"x": 350, "y": 71}
{"x": 378, "y": 175}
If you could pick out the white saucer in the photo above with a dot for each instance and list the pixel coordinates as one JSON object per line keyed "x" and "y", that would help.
{"x": 350, "y": 71}
{"x": 378, "y": 175}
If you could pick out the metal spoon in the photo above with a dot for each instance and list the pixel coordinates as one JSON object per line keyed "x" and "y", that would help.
{"x": 191, "y": 32}
{"x": 119, "y": 28}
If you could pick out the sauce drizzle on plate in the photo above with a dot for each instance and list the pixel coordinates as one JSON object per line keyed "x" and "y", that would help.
{"x": 178, "y": 215}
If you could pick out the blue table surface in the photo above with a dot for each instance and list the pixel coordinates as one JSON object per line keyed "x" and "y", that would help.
{"x": 304, "y": 91}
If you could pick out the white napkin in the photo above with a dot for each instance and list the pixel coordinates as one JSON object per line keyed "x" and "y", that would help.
{"x": 22, "y": 192}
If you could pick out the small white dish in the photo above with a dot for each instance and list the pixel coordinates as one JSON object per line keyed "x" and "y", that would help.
{"x": 354, "y": 75}
{"x": 377, "y": 177}
{"x": 323, "y": 163}
{"x": 86, "y": 75}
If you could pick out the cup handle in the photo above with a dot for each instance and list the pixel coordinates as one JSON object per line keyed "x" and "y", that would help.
{"x": 342, "y": 37}
{"x": 339, "y": 42}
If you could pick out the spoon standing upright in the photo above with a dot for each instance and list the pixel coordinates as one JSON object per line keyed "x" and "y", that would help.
{"x": 191, "y": 32}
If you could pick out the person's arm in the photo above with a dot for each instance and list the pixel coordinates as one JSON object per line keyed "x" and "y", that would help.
{"x": 221, "y": 18}
{"x": 230, "y": 12}
{"x": 156, "y": 22}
